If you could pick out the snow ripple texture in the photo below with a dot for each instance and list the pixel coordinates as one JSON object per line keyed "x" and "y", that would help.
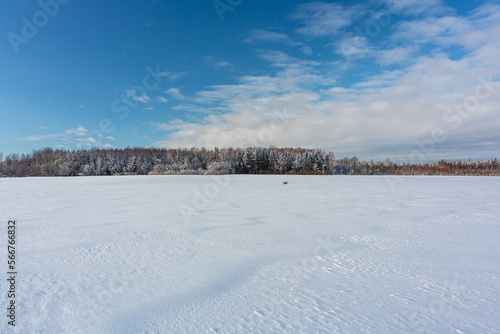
{"x": 322, "y": 254}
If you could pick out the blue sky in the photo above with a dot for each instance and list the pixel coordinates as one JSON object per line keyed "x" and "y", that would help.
{"x": 406, "y": 80}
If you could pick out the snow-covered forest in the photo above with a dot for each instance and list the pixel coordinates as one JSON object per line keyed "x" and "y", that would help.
{"x": 153, "y": 161}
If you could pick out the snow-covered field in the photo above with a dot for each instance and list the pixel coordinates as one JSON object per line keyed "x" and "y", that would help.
{"x": 247, "y": 254}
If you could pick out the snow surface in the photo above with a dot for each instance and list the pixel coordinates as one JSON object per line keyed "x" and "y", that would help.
{"x": 322, "y": 254}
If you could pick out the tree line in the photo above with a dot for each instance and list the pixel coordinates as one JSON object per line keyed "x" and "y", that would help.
{"x": 272, "y": 160}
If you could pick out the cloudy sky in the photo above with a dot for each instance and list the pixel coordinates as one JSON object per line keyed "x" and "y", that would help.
{"x": 409, "y": 80}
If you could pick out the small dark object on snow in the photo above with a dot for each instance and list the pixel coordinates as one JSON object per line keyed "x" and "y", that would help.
{"x": 284, "y": 182}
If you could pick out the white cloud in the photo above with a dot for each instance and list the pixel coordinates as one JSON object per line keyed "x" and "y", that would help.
{"x": 79, "y": 131}
{"x": 139, "y": 98}
{"x": 170, "y": 76}
{"x": 88, "y": 139}
{"x": 259, "y": 35}
{"x": 394, "y": 56}
{"x": 175, "y": 92}
{"x": 306, "y": 50}
{"x": 218, "y": 63}
{"x": 357, "y": 47}
{"x": 442, "y": 31}
{"x": 321, "y": 19}
{"x": 385, "y": 113}
{"x": 353, "y": 46}
{"x": 195, "y": 108}
{"x": 484, "y": 22}
{"x": 385, "y": 79}
{"x": 281, "y": 59}
{"x": 176, "y": 124}
{"x": 161, "y": 99}
{"x": 486, "y": 15}
{"x": 418, "y": 7}
{"x": 379, "y": 113}
{"x": 70, "y": 139}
